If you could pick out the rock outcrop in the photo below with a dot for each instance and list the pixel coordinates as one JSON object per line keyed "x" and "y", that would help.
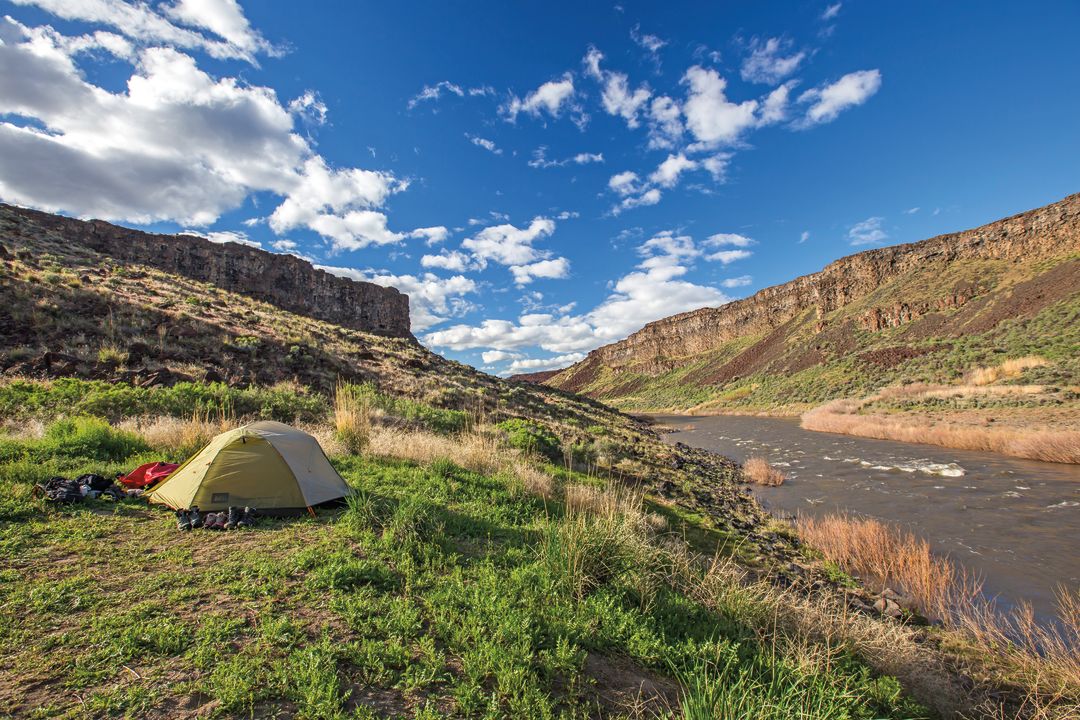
{"x": 285, "y": 281}
{"x": 1050, "y": 231}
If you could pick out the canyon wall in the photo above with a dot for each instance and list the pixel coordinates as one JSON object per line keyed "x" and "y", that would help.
{"x": 1049, "y": 231}
{"x": 285, "y": 281}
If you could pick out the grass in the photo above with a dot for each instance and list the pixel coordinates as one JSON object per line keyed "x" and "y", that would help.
{"x": 439, "y": 591}
{"x": 1008, "y": 369}
{"x": 758, "y": 471}
{"x": 1040, "y": 656}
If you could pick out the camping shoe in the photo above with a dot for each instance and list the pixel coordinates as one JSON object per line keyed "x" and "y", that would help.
{"x": 182, "y": 520}
{"x": 232, "y": 518}
{"x": 195, "y": 517}
{"x": 210, "y": 521}
{"x": 219, "y": 521}
{"x": 247, "y": 517}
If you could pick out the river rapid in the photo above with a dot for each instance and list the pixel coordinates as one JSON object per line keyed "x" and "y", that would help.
{"x": 1016, "y": 523}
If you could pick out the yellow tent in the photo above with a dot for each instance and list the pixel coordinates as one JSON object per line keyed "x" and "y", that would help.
{"x": 264, "y": 465}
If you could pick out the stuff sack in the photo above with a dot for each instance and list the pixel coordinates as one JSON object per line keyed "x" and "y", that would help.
{"x": 59, "y": 490}
{"x": 147, "y": 475}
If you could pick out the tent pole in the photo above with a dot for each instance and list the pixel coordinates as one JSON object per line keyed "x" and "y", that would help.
{"x": 311, "y": 510}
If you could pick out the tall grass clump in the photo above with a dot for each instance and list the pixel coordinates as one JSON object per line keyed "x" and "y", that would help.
{"x": 758, "y": 471}
{"x": 352, "y": 418}
{"x": 1008, "y": 369}
{"x": 179, "y": 437}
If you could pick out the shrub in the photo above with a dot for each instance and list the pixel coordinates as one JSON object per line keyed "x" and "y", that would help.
{"x": 757, "y": 470}
{"x": 531, "y": 437}
{"x": 89, "y": 437}
{"x": 352, "y": 418}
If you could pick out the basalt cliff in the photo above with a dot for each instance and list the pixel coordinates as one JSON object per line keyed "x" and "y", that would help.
{"x": 285, "y": 281}
{"x": 889, "y": 312}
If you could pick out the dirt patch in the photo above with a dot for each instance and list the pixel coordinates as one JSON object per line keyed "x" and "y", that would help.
{"x": 584, "y": 374}
{"x": 623, "y": 687}
{"x": 1025, "y": 300}
{"x": 754, "y": 358}
{"x": 892, "y": 356}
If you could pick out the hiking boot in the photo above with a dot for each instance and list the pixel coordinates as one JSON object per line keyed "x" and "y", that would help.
{"x": 195, "y": 517}
{"x": 215, "y": 521}
{"x": 183, "y": 522}
{"x": 247, "y": 517}
{"x": 232, "y": 518}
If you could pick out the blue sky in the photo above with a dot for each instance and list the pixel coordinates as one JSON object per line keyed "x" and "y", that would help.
{"x": 542, "y": 177}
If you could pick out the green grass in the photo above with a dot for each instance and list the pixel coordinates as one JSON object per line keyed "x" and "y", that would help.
{"x": 436, "y": 592}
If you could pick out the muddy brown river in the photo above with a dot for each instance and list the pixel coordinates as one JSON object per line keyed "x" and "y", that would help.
{"x": 1014, "y": 522}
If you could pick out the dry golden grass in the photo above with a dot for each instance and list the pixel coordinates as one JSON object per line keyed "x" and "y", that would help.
{"x": 184, "y": 436}
{"x": 758, "y": 471}
{"x": 889, "y": 558}
{"x": 1062, "y": 446}
{"x": 1010, "y": 648}
{"x": 352, "y": 418}
{"x": 1007, "y": 369}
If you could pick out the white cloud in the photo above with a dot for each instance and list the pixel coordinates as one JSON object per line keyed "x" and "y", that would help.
{"x": 654, "y": 289}
{"x": 140, "y": 23}
{"x": 432, "y": 235}
{"x": 651, "y": 43}
{"x": 488, "y": 145}
{"x": 649, "y": 197}
{"x": 494, "y": 356}
{"x": 775, "y": 107}
{"x": 710, "y": 116}
{"x": 831, "y": 11}
{"x": 432, "y": 299}
{"x": 804, "y": 236}
{"x": 735, "y": 282}
{"x": 767, "y": 62}
{"x": 911, "y": 211}
{"x": 665, "y": 123}
{"x": 309, "y": 107}
{"x": 717, "y": 166}
{"x": 555, "y": 269}
{"x": 538, "y": 364}
{"x": 115, "y": 155}
{"x": 617, "y": 97}
{"x": 356, "y": 229}
{"x": 434, "y": 92}
{"x": 732, "y": 239}
{"x": 553, "y": 97}
{"x": 225, "y": 236}
{"x": 867, "y": 232}
{"x": 668, "y": 172}
{"x": 284, "y": 245}
{"x": 727, "y": 257}
{"x": 453, "y": 260}
{"x": 830, "y": 100}
{"x": 509, "y": 245}
{"x": 624, "y": 183}
{"x": 540, "y": 159}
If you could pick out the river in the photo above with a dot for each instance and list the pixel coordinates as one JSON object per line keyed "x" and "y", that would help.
{"x": 1016, "y": 523}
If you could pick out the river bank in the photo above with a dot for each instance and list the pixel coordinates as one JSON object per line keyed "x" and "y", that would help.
{"x": 1008, "y": 520}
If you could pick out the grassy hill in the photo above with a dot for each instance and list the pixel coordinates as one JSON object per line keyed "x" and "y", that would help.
{"x": 509, "y": 550}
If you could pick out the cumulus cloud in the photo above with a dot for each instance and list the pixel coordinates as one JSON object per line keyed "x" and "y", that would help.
{"x": 488, "y": 145}
{"x": 831, "y": 11}
{"x": 144, "y": 25}
{"x": 735, "y": 282}
{"x": 617, "y": 97}
{"x": 509, "y": 245}
{"x": 804, "y": 236}
{"x": 769, "y": 63}
{"x": 732, "y": 239}
{"x": 665, "y": 123}
{"x": 867, "y": 232}
{"x": 651, "y": 43}
{"x": 655, "y": 288}
{"x": 524, "y": 365}
{"x": 775, "y": 107}
{"x": 431, "y": 235}
{"x": 668, "y": 172}
{"x": 72, "y": 146}
{"x": 555, "y": 269}
{"x": 494, "y": 356}
{"x": 710, "y": 116}
{"x": 553, "y": 98}
{"x": 828, "y": 101}
{"x": 454, "y": 260}
{"x": 432, "y": 299}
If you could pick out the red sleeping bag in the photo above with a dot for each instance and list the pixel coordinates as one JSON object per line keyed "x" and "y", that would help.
{"x": 147, "y": 475}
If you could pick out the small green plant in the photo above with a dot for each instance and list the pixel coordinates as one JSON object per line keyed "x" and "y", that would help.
{"x": 532, "y": 437}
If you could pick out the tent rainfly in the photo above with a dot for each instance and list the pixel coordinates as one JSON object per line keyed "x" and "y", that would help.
{"x": 265, "y": 465}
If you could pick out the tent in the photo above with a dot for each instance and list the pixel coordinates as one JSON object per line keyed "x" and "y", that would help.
{"x": 265, "y": 465}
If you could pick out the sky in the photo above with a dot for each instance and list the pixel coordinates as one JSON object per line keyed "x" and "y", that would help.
{"x": 542, "y": 178}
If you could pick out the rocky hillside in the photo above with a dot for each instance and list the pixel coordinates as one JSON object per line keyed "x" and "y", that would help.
{"x": 920, "y": 311}
{"x": 284, "y": 281}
